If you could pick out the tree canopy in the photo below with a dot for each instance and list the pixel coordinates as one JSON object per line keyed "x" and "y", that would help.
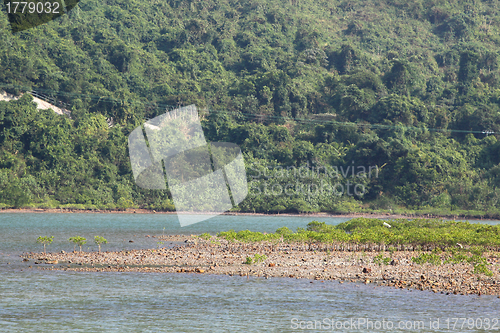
{"x": 410, "y": 89}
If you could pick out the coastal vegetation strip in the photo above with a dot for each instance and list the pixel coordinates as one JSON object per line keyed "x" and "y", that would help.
{"x": 371, "y": 234}
{"x": 318, "y": 252}
{"x": 288, "y": 260}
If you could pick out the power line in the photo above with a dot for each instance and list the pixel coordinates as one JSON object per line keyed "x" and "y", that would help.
{"x": 249, "y": 115}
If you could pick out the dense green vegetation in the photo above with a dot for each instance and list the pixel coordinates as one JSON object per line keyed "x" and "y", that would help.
{"x": 409, "y": 87}
{"x": 26, "y": 15}
{"x": 448, "y": 241}
{"x": 370, "y": 234}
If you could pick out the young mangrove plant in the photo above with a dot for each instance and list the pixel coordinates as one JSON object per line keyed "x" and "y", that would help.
{"x": 482, "y": 268}
{"x": 380, "y": 259}
{"x": 216, "y": 242}
{"x": 44, "y": 240}
{"x": 430, "y": 258}
{"x": 454, "y": 255}
{"x": 367, "y": 234}
{"x": 77, "y": 240}
{"x": 205, "y": 236}
{"x": 99, "y": 240}
{"x": 249, "y": 261}
{"x": 257, "y": 258}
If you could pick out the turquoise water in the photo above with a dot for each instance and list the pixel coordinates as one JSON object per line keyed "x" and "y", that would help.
{"x": 34, "y": 300}
{"x": 20, "y": 230}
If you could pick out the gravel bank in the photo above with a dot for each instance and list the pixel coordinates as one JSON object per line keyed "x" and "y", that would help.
{"x": 188, "y": 254}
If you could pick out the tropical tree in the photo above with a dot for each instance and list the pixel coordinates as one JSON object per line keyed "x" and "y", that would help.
{"x": 77, "y": 240}
{"x": 100, "y": 240}
{"x": 45, "y": 240}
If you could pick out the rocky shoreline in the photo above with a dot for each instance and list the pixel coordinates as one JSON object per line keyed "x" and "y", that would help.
{"x": 312, "y": 215}
{"x": 192, "y": 254}
{"x": 151, "y": 211}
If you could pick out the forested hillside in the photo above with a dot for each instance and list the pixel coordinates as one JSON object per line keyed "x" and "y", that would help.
{"x": 409, "y": 88}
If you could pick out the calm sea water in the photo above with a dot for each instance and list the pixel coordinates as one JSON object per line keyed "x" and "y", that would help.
{"x": 32, "y": 300}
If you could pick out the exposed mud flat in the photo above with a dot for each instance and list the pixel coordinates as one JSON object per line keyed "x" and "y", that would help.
{"x": 191, "y": 254}
{"x": 312, "y": 215}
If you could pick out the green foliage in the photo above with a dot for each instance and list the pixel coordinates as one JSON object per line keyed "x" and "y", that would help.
{"x": 456, "y": 256}
{"x": 482, "y": 268}
{"x": 257, "y": 258}
{"x": 205, "y": 236}
{"x": 216, "y": 242}
{"x": 78, "y": 240}
{"x": 247, "y": 236}
{"x": 430, "y": 258}
{"x": 97, "y": 239}
{"x": 380, "y": 259}
{"x": 283, "y": 231}
{"x": 417, "y": 98}
{"x": 44, "y": 240}
{"x": 477, "y": 250}
{"x": 414, "y": 233}
{"x": 472, "y": 256}
{"x": 321, "y": 227}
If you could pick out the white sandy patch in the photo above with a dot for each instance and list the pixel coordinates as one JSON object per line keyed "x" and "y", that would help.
{"x": 40, "y": 104}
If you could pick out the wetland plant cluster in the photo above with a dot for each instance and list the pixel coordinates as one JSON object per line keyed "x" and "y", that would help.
{"x": 257, "y": 258}
{"x": 445, "y": 241}
{"x": 370, "y": 234}
{"x": 76, "y": 240}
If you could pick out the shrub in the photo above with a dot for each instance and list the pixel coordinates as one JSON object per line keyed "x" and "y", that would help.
{"x": 482, "y": 269}
{"x": 430, "y": 258}
{"x": 77, "y": 240}
{"x": 205, "y": 236}
{"x": 99, "y": 240}
{"x": 381, "y": 260}
{"x": 257, "y": 258}
{"x": 45, "y": 240}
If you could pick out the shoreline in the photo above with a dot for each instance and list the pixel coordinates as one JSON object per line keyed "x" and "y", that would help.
{"x": 312, "y": 215}
{"x": 191, "y": 254}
